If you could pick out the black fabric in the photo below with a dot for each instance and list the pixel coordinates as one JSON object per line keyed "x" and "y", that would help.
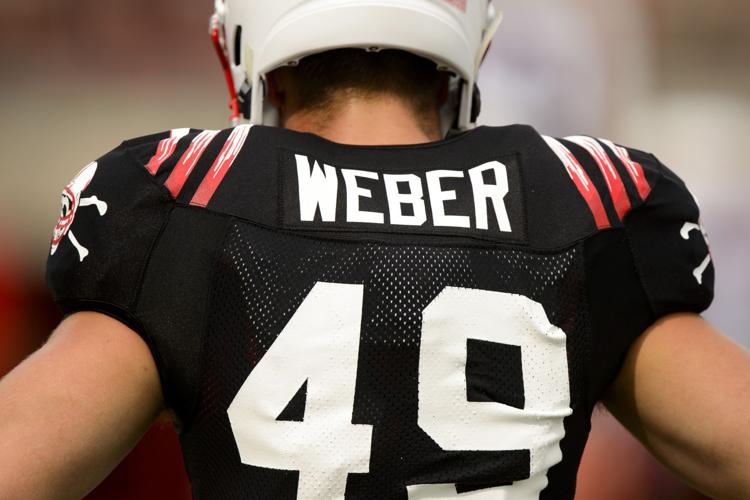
{"x": 562, "y": 476}
{"x": 665, "y": 259}
{"x": 548, "y": 206}
{"x": 557, "y": 214}
{"x": 589, "y": 165}
{"x": 622, "y": 171}
{"x": 619, "y": 308}
{"x": 119, "y": 241}
{"x": 211, "y": 289}
{"x": 458, "y": 185}
{"x": 263, "y": 276}
{"x": 142, "y": 148}
{"x": 173, "y": 303}
{"x": 295, "y": 410}
{"x": 202, "y": 168}
{"x": 165, "y": 169}
{"x": 494, "y": 372}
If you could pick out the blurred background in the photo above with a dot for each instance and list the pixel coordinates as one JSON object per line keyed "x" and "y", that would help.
{"x": 667, "y": 76}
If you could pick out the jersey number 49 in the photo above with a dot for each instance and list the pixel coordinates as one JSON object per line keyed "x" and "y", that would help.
{"x": 320, "y": 345}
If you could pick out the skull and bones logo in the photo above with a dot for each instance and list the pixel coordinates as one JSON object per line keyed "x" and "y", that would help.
{"x": 688, "y": 228}
{"x": 71, "y": 202}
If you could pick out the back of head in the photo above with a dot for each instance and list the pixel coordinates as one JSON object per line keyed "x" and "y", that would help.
{"x": 322, "y": 83}
{"x": 257, "y": 37}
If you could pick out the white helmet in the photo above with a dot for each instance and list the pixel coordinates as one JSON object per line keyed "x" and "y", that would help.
{"x": 254, "y": 37}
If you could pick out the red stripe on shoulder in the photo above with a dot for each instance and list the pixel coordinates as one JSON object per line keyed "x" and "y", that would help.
{"x": 221, "y": 166}
{"x": 582, "y": 182}
{"x": 635, "y": 169}
{"x": 179, "y": 175}
{"x": 166, "y": 149}
{"x": 614, "y": 182}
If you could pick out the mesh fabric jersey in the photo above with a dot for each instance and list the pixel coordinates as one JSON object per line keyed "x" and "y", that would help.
{"x": 429, "y": 321}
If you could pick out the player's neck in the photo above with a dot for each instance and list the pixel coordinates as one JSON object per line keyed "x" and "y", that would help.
{"x": 363, "y": 121}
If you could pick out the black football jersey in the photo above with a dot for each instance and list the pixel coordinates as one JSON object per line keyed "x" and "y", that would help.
{"x": 405, "y": 322}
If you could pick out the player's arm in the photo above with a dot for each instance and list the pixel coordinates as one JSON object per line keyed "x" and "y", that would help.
{"x": 684, "y": 391}
{"x": 75, "y": 408}
{"x": 683, "y": 386}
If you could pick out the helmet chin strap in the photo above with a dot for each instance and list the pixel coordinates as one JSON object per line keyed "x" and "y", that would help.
{"x": 449, "y": 110}
{"x": 218, "y": 38}
{"x": 471, "y": 102}
{"x": 257, "y": 106}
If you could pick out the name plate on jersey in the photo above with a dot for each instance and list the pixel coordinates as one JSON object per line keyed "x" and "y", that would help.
{"x": 482, "y": 200}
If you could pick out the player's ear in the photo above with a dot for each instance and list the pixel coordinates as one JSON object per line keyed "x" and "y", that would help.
{"x": 277, "y": 82}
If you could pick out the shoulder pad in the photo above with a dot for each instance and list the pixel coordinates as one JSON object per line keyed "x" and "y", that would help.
{"x": 623, "y": 188}
{"x": 111, "y": 214}
{"x": 670, "y": 246}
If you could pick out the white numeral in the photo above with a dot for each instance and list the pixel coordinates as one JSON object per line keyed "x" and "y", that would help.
{"x": 456, "y": 424}
{"x": 319, "y": 345}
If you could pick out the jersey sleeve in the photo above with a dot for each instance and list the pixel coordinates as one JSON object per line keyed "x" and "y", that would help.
{"x": 669, "y": 245}
{"x": 112, "y": 214}
{"x": 656, "y": 264}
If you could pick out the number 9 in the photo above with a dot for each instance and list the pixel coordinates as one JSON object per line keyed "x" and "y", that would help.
{"x": 456, "y": 424}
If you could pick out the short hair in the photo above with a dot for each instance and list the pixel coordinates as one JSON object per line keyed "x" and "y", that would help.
{"x": 321, "y": 79}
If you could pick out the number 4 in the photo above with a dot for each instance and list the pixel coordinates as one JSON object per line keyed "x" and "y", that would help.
{"x": 320, "y": 346}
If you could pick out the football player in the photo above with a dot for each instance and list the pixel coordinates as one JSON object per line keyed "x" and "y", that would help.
{"x": 361, "y": 294}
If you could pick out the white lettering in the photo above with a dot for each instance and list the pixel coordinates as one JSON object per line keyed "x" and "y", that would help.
{"x": 354, "y": 193}
{"x": 494, "y": 193}
{"x": 406, "y": 196}
{"x": 414, "y": 198}
{"x": 316, "y": 189}
{"x": 438, "y": 197}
